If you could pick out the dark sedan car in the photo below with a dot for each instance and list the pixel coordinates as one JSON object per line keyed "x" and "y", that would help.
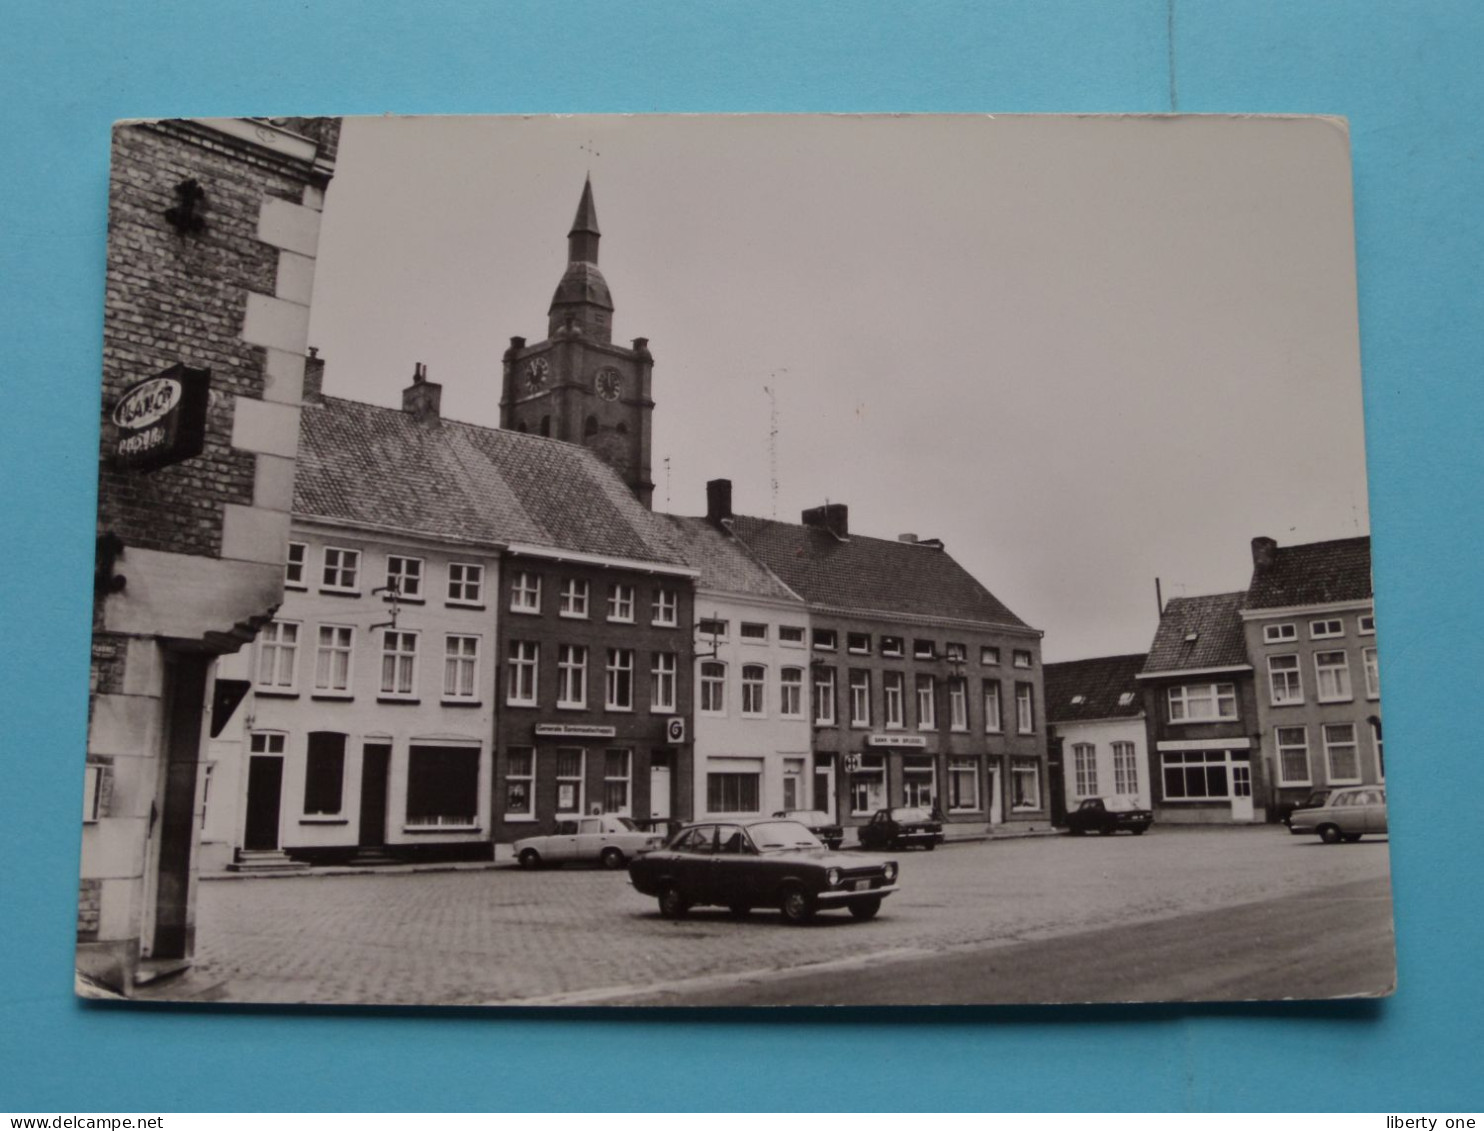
{"x": 817, "y": 822}
{"x": 1108, "y": 815}
{"x": 902, "y": 828}
{"x": 762, "y": 862}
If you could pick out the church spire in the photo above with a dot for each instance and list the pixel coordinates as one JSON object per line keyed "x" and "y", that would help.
{"x": 582, "y": 304}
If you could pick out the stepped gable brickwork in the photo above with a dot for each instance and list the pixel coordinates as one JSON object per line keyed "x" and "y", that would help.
{"x": 1101, "y": 682}
{"x": 1317, "y": 573}
{"x": 1199, "y": 632}
{"x": 381, "y": 468}
{"x": 887, "y": 576}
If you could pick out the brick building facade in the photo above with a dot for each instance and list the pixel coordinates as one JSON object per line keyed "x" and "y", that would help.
{"x": 213, "y": 231}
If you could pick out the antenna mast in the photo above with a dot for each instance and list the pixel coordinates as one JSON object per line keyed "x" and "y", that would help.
{"x": 773, "y": 441}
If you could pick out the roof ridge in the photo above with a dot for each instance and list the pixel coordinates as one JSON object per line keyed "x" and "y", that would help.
{"x": 490, "y": 429}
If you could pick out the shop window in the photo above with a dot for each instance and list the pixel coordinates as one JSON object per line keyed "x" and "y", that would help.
{"x": 616, "y": 780}
{"x": 868, "y": 785}
{"x": 963, "y": 785}
{"x": 443, "y": 786}
{"x": 733, "y": 793}
{"x": 919, "y": 782}
{"x": 520, "y": 781}
{"x": 1025, "y": 784}
{"x": 570, "y": 767}
{"x": 1196, "y": 775}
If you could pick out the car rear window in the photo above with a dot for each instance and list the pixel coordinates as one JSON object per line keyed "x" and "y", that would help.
{"x": 917, "y": 814}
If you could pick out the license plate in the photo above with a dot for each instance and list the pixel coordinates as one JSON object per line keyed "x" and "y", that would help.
{"x": 860, "y": 885}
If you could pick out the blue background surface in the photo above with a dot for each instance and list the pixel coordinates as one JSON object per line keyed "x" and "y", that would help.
{"x": 1408, "y": 78}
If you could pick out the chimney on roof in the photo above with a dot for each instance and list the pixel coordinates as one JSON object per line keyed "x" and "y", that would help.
{"x": 834, "y": 517}
{"x": 423, "y": 398}
{"x": 314, "y": 377}
{"x": 910, "y": 538}
{"x": 1264, "y": 553}
{"x": 718, "y": 500}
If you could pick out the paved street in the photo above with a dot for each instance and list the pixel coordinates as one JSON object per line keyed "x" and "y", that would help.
{"x": 973, "y": 922}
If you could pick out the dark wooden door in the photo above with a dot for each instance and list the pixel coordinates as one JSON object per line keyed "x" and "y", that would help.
{"x": 375, "y": 766}
{"x": 186, "y": 677}
{"x": 264, "y": 795}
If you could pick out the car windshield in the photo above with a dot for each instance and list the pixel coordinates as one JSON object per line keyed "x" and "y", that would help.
{"x": 918, "y": 813}
{"x": 780, "y": 836}
{"x": 628, "y": 824}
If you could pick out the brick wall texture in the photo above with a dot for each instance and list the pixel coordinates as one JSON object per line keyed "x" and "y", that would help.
{"x": 174, "y": 297}
{"x": 89, "y": 900}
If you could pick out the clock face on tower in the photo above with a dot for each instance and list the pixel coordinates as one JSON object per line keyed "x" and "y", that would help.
{"x": 536, "y": 370}
{"x": 609, "y": 383}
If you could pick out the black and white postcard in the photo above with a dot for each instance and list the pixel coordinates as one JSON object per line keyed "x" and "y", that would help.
{"x": 733, "y": 560}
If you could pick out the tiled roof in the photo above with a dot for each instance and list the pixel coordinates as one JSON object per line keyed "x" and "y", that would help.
{"x": 1100, "y": 683}
{"x": 1199, "y": 632}
{"x": 871, "y": 574}
{"x": 378, "y": 467}
{"x": 725, "y": 563}
{"x": 1314, "y": 574}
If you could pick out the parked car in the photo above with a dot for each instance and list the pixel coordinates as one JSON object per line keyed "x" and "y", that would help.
{"x": 1347, "y": 814}
{"x": 762, "y": 862}
{"x": 915, "y": 826}
{"x": 609, "y": 841}
{"x": 1108, "y": 815}
{"x": 817, "y": 822}
{"x": 662, "y": 827}
{"x": 1316, "y": 798}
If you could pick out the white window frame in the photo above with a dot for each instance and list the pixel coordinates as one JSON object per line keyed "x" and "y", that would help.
{"x": 1084, "y": 769}
{"x": 1378, "y": 748}
{"x": 522, "y": 673}
{"x": 470, "y": 577}
{"x": 400, "y": 636}
{"x": 1365, "y": 624}
{"x": 913, "y": 773}
{"x": 894, "y": 700}
{"x": 1182, "y": 696}
{"x": 295, "y": 565}
{"x": 1204, "y": 759}
{"x": 872, "y": 767}
{"x": 893, "y": 647}
{"x": 925, "y": 691}
{"x": 994, "y": 707}
{"x": 822, "y": 696}
{"x": 859, "y": 684}
{"x": 958, "y": 703}
{"x": 1022, "y": 658}
{"x": 572, "y": 601}
{"x": 1331, "y": 747}
{"x": 92, "y": 792}
{"x": 1282, "y": 747}
{"x": 271, "y": 743}
{"x": 664, "y": 672}
{"x": 858, "y": 643}
{"x": 1285, "y": 679}
{"x": 342, "y": 646}
{"x": 963, "y": 768}
{"x": 406, "y": 583}
{"x": 738, "y": 777}
{"x": 754, "y": 699}
{"x": 627, "y": 778}
{"x": 529, "y": 778}
{"x": 989, "y": 656}
{"x": 664, "y": 607}
{"x": 713, "y": 629}
{"x": 275, "y": 654}
{"x": 788, "y": 639}
{"x": 1335, "y": 674}
{"x": 525, "y": 593}
{"x": 464, "y": 661}
{"x": 1126, "y": 769}
{"x": 825, "y": 640}
{"x": 579, "y": 780}
{"x": 752, "y": 632}
{"x": 924, "y": 649}
{"x": 1372, "y": 667}
{"x": 347, "y": 563}
{"x": 571, "y": 677}
{"x": 711, "y": 688}
{"x": 618, "y": 680}
{"x": 1285, "y": 633}
{"x": 621, "y": 604}
{"x": 1025, "y": 708}
{"x": 1328, "y": 628}
{"x": 1022, "y": 768}
{"x": 791, "y": 693}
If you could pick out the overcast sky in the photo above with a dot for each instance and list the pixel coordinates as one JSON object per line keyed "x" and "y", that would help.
{"x": 1084, "y": 352}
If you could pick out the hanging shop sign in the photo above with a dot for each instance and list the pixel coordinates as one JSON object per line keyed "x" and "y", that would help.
{"x": 573, "y": 730}
{"x": 162, "y": 419}
{"x": 675, "y": 730}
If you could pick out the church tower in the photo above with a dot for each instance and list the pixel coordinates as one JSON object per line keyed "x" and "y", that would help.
{"x": 577, "y": 385}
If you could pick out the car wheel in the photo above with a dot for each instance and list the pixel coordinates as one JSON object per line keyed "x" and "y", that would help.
{"x": 1330, "y": 834}
{"x": 1107, "y": 830}
{"x": 739, "y": 910}
{"x": 1351, "y": 838}
{"x": 865, "y": 908}
{"x": 797, "y": 905}
{"x": 673, "y": 905}
{"x": 1138, "y": 832}
{"x": 611, "y": 858}
{"x": 1075, "y": 832}
{"x": 529, "y": 858}
{"x": 930, "y": 845}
